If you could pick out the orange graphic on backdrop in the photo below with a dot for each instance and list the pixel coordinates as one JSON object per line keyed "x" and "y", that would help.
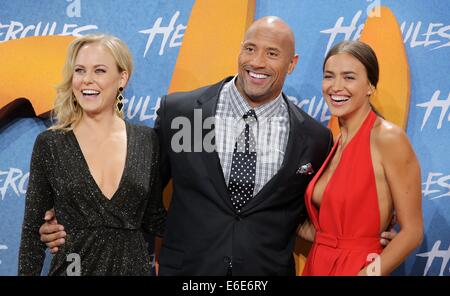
{"x": 31, "y": 67}
{"x": 211, "y": 43}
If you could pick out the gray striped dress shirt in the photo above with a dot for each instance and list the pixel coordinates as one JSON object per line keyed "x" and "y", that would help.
{"x": 271, "y": 132}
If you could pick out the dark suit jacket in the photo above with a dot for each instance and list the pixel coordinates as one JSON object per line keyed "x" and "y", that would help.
{"x": 204, "y": 234}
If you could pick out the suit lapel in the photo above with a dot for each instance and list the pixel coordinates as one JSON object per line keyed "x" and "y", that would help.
{"x": 295, "y": 148}
{"x": 297, "y": 140}
{"x": 208, "y": 104}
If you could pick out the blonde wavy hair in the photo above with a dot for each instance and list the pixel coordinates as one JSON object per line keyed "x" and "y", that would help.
{"x": 66, "y": 114}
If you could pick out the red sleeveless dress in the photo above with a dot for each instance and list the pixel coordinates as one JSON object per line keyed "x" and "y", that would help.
{"x": 348, "y": 223}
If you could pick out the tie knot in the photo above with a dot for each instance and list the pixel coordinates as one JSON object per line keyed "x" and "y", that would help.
{"x": 250, "y": 116}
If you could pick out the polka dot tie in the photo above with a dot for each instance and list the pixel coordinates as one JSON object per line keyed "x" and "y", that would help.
{"x": 243, "y": 166}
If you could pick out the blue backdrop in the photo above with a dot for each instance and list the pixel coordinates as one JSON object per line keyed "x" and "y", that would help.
{"x": 154, "y": 32}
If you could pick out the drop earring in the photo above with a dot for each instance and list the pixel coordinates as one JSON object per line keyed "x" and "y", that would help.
{"x": 119, "y": 98}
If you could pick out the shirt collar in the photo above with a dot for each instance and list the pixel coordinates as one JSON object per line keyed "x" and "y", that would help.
{"x": 240, "y": 106}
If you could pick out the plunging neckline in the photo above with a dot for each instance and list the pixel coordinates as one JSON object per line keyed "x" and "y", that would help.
{"x": 88, "y": 170}
{"x": 317, "y": 208}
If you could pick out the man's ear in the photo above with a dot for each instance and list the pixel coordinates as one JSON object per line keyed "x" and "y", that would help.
{"x": 293, "y": 63}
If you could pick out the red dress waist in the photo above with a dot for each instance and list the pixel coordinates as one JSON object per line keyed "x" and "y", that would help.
{"x": 348, "y": 243}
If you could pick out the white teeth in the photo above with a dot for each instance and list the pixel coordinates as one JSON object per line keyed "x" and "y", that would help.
{"x": 256, "y": 75}
{"x": 339, "y": 98}
{"x": 90, "y": 92}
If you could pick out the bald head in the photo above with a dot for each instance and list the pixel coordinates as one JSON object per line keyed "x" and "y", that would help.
{"x": 267, "y": 55}
{"x": 274, "y": 25}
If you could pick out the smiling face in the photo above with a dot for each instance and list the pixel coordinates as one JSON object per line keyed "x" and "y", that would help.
{"x": 266, "y": 57}
{"x": 345, "y": 85}
{"x": 96, "y": 79}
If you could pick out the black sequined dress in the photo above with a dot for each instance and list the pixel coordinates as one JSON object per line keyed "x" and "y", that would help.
{"x": 106, "y": 235}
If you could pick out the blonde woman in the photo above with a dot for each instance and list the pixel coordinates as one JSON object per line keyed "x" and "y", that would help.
{"x": 99, "y": 173}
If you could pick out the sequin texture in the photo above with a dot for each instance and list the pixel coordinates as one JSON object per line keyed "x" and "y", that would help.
{"x": 107, "y": 235}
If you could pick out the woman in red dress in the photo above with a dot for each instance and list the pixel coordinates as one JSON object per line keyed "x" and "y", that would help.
{"x": 371, "y": 172}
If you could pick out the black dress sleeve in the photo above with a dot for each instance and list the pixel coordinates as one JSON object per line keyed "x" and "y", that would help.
{"x": 155, "y": 214}
{"x": 39, "y": 198}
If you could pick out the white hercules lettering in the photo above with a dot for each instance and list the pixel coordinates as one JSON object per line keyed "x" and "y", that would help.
{"x": 346, "y": 30}
{"x": 435, "y": 103}
{"x": 17, "y": 30}
{"x": 13, "y": 179}
{"x": 436, "y": 253}
{"x": 177, "y": 35}
{"x": 436, "y": 186}
{"x": 435, "y": 34}
{"x": 316, "y": 109}
{"x": 139, "y": 105}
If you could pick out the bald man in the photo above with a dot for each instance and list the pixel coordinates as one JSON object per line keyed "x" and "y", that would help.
{"x": 238, "y": 189}
{"x": 235, "y": 210}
